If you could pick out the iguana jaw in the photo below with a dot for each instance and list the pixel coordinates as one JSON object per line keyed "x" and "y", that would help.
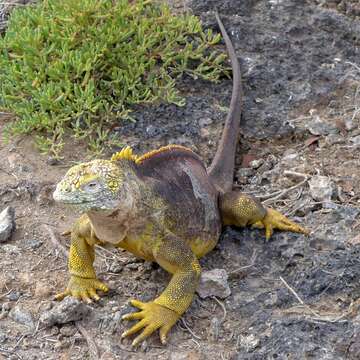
{"x": 81, "y": 201}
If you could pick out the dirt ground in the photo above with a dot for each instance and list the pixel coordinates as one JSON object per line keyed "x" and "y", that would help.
{"x": 294, "y": 297}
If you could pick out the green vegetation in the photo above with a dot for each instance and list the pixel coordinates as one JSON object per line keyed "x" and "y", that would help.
{"x": 76, "y": 67}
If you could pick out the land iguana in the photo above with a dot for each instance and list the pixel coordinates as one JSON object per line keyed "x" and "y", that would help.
{"x": 164, "y": 206}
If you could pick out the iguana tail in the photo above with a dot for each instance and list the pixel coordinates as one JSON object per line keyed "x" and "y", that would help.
{"x": 221, "y": 170}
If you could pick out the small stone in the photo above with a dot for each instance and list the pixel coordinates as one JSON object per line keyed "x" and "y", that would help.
{"x": 349, "y": 124}
{"x": 355, "y": 140}
{"x": 52, "y": 161}
{"x": 14, "y": 295}
{"x": 70, "y": 309}
{"x": 22, "y": 316}
{"x": 249, "y": 342}
{"x": 7, "y": 223}
{"x": 214, "y": 283}
{"x": 152, "y": 130}
{"x": 34, "y": 244}
{"x": 255, "y": 164}
{"x": 116, "y": 267}
{"x": 6, "y": 307}
{"x": 68, "y": 330}
{"x": 205, "y": 122}
{"x": 319, "y": 127}
{"x": 245, "y": 172}
{"x": 321, "y": 188}
{"x": 133, "y": 266}
{"x": 63, "y": 344}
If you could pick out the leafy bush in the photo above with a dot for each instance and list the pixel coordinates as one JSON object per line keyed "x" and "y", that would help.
{"x": 77, "y": 66}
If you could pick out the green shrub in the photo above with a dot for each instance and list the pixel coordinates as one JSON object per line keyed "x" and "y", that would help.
{"x": 75, "y": 67}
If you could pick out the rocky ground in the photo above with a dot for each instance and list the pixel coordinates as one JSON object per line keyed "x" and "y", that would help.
{"x": 294, "y": 297}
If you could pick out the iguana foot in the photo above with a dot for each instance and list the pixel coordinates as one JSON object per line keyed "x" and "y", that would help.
{"x": 82, "y": 288}
{"x": 275, "y": 220}
{"x": 152, "y": 317}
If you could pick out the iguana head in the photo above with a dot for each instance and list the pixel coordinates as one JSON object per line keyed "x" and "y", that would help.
{"x": 95, "y": 185}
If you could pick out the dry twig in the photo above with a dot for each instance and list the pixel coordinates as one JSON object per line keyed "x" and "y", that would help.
{"x": 55, "y": 241}
{"x": 223, "y": 308}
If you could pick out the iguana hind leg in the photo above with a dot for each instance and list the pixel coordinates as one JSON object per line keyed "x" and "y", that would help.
{"x": 241, "y": 210}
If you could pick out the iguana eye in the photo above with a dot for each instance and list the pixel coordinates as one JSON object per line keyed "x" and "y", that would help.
{"x": 92, "y": 186}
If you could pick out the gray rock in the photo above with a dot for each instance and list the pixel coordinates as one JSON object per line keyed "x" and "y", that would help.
{"x": 7, "y": 223}
{"x": 349, "y": 124}
{"x": 203, "y": 122}
{"x": 355, "y": 140}
{"x": 321, "y": 188}
{"x": 68, "y": 330}
{"x": 14, "y": 295}
{"x": 255, "y": 164}
{"x": 214, "y": 283}
{"x": 22, "y": 316}
{"x": 319, "y": 127}
{"x": 70, "y": 309}
{"x": 245, "y": 172}
{"x": 249, "y": 342}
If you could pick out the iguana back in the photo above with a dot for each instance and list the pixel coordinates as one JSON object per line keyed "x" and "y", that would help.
{"x": 179, "y": 177}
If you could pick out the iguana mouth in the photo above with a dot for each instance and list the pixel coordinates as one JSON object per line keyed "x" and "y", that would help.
{"x": 59, "y": 196}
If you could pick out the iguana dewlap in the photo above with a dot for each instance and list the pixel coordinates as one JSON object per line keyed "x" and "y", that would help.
{"x": 165, "y": 207}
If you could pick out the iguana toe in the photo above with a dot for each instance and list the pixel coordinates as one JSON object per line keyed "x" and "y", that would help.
{"x": 152, "y": 317}
{"x": 82, "y": 288}
{"x": 275, "y": 220}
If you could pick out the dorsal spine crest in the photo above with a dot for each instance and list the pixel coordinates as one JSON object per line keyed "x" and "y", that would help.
{"x": 127, "y": 153}
{"x": 161, "y": 150}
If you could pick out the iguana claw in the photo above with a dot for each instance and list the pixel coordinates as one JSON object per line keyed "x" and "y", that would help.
{"x": 275, "y": 220}
{"x": 152, "y": 317}
{"x": 84, "y": 289}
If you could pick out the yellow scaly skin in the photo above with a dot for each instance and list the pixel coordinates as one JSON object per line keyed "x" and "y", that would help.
{"x": 127, "y": 205}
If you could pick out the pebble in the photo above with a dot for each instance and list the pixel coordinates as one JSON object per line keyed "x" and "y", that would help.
{"x": 7, "y": 223}
{"x": 319, "y": 127}
{"x": 248, "y": 342}
{"x": 214, "y": 283}
{"x": 70, "y": 309}
{"x": 255, "y": 164}
{"x": 14, "y": 295}
{"x": 355, "y": 140}
{"x": 22, "y": 316}
{"x": 205, "y": 121}
{"x": 68, "y": 330}
{"x": 321, "y": 188}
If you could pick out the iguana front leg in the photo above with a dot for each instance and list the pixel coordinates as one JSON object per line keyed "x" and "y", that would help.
{"x": 241, "y": 209}
{"x": 172, "y": 254}
{"x": 83, "y": 283}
